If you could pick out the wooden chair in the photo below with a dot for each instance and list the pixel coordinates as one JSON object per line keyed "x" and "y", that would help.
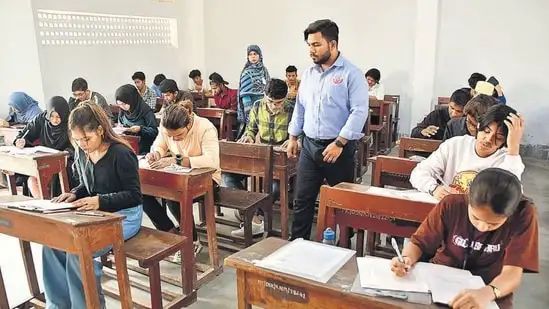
{"x": 443, "y": 100}
{"x": 377, "y": 124}
{"x": 396, "y": 114}
{"x": 133, "y": 140}
{"x": 255, "y": 160}
{"x": 148, "y": 248}
{"x": 223, "y": 119}
{"x": 417, "y": 146}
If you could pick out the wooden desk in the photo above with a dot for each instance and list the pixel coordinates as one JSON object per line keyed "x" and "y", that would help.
{"x": 75, "y": 234}
{"x": 133, "y": 140}
{"x": 409, "y": 144}
{"x": 184, "y": 187}
{"x": 385, "y": 166}
{"x": 224, "y": 119}
{"x": 9, "y": 134}
{"x": 40, "y": 165}
{"x": 284, "y": 169}
{"x": 271, "y": 289}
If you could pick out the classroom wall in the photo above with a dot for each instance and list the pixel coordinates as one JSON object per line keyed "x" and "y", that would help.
{"x": 504, "y": 38}
{"x": 107, "y": 67}
{"x": 19, "y": 62}
{"x": 372, "y": 33}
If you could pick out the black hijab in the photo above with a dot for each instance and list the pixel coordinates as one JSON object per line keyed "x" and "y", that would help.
{"x": 57, "y": 137}
{"x": 138, "y": 109}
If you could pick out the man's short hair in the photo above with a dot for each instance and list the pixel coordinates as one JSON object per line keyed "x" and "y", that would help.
{"x": 460, "y": 97}
{"x": 326, "y": 27}
{"x": 478, "y": 105}
{"x": 498, "y": 114}
{"x": 291, "y": 69}
{"x": 138, "y": 75}
{"x": 168, "y": 85}
{"x": 79, "y": 84}
{"x": 158, "y": 79}
{"x": 276, "y": 89}
{"x": 373, "y": 73}
{"x": 475, "y": 78}
{"x": 194, "y": 73}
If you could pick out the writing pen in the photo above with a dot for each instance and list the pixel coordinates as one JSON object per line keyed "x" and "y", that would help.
{"x": 446, "y": 186}
{"x": 395, "y": 246}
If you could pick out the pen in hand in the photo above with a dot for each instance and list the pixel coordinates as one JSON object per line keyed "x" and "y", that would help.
{"x": 395, "y": 247}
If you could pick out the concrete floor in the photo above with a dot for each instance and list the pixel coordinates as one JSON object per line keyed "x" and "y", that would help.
{"x": 221, "y": 292}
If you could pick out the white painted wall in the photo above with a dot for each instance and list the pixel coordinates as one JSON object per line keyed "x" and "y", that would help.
{"x": 19, "y": 63}
{"x": 504, "y": 38}
{"x": 372, "y": 33}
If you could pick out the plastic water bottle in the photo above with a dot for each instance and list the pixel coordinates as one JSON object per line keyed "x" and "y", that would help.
{"x": 329, "y": 237}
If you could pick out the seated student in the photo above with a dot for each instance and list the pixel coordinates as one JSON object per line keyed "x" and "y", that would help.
{"x": 197, "y": 84}
{"x": 224, "y": 97}
{"x": 148, "y": 95}
{"x": 50, "y": 129}
{"x": 81, "y": 93}
{"x": 187, "y": 140}
{"x": 459, "y": 159}
{"x": 156, "y": 84}
{"x": 269, "y": 119}
{"x": 109, "y": 181}
{"x": 467, "y": 125}
{"x": 492, "y": 231}
{"x": 172, "y": 94}
{"x": 293, "y": 83}
{"x": 473, "y": 80}
{"x": 136, "y": 116}
{"x": 23, "y": 109}
{"x": 375, "y": 89}
{"x": 434, "y": 124}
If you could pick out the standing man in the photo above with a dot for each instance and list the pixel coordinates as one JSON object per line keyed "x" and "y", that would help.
{"x": 331, "y": 109}
{"x": 148, "y": 95}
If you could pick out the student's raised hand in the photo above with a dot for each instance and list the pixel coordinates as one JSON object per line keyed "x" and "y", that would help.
{"x": 441, "y": 192}
{"x": 87, "y": 203}
{"x": 515, "y": 126}
{"x": 245, "y": 139}
{"x": 20, "y": 143}
{"x": 292, "y": 148}
{"x": 475, "y": 299}
{"x": 429, "y": 131}
{"x": 152, "y": 157}
{"x": 401, "y": 269}
{"x": 162, "y": 163}
{"x": 68, "y": 197}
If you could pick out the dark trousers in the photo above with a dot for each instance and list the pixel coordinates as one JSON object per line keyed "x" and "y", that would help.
{"x": 311, "y": 172}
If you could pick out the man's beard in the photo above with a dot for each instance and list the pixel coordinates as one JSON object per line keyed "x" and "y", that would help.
{"x": 323, "y": 59}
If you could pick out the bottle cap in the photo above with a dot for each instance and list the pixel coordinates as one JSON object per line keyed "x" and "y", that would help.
{"x": 329, "y": 234}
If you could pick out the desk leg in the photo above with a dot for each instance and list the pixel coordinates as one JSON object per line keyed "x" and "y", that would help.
{"x": 284, "y": 205}
{"x": 121, "y": 269}
{"x": 85, "y": 257}
{"x": 210, "y": 225}
{"x": 3, "y": 297}
{"x": 28, "y": 261}
{"x": 11, "y": 184}
{"x": 64, "y": 180}
{"x": 188, "y": 273}
{"x": 242, "y": 290}
{"x": 43, "y": 182}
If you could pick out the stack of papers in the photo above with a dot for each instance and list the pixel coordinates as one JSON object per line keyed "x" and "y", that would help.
{"x": 443, "y": 283}
{"x": 42, "y": 206}
{"x": 27, "y": 150}
{"x": 412, "y": 195}
{"x": 307, "y": 259}
{"x": 170, "y": 168}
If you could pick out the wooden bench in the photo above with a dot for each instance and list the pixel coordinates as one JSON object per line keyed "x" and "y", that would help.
{"x": 395, "y": 98}
{"x": 224, "y": 119}
{"x": 417, "y": 146}
{"x": 148, "y": 248}
{"x": 255, "y": 160}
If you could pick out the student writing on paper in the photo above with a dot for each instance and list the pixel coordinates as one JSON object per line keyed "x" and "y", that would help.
{"x": 109, "y": 181}
{"x": 492, "y": 232}
{"x": 22, "y": 109}
{"x": 193, "y": 138}
{"x": 136, "y": 116}
{"x": 50, "y": 129}
{"x": 459, "y": 159}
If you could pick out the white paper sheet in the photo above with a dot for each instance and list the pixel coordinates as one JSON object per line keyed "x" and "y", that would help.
{"x": 413, "y": 195}
{"x": 307, "y": 259}
{"x": 27, "y": 150}
{"x": 40, "y": 205}
{"x": 376, "y": 273}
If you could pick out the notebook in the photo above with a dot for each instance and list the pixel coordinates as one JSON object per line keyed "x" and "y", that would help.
{"x": 443, "y": 283}
{"x": 307, "y": 259}
{"x": 41, "y": 206}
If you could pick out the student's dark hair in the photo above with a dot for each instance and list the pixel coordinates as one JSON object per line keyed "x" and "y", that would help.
{"x": 497, "y": 188}
{"x": 497, "y": 113}
{"x": 175, "y": 116}
{"x": 158, "y": 79}
{"x": 291, "y": 69}
{"x": 138, "y": 75}
{"x": 474, "y": 78}
{"x": 89, "y": 116}
{"x": 328, "y": 29}
{"x": 194, "y": 73}
{"x": 460, "y": 97}
{"x": 478, "y": 105}
{"x": 79, "y": 84}
{"x": 276, "y": 89}
{"x": 373, "y": 73}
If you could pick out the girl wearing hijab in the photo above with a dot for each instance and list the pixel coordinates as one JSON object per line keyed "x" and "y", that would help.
{"x": 23, "y": 108}
{"x": 253, "y": 79}
{"x": 137, "y": 116}
{"x": 108, "y": 181}
{"x": 49, "y": 129}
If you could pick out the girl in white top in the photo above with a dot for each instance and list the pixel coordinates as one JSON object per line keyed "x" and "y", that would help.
{"x": 375, "y": 89}
{"x": 459, "y": 159}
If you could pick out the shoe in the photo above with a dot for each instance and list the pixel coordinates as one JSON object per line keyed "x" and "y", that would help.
{"x": 197, "y": 247}
{"x": 238, "y": 215}
{"x": 176, "y": 258}
{"x": 257, "y": 229}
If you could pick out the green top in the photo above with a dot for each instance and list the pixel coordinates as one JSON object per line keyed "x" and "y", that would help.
{"x": 272, "y": 129}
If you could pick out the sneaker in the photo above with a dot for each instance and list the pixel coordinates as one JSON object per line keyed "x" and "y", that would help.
{"x": 238, "y": 215}
{"x": 257, "y": 229}
{"x": 197, "y": 247}
{"x": 176, "y": 258}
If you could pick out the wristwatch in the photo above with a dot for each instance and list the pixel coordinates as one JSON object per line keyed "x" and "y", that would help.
{"x": 178, "y": 159}
{"x": 338, "y": 143}
{"x": 497, "y": 292}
